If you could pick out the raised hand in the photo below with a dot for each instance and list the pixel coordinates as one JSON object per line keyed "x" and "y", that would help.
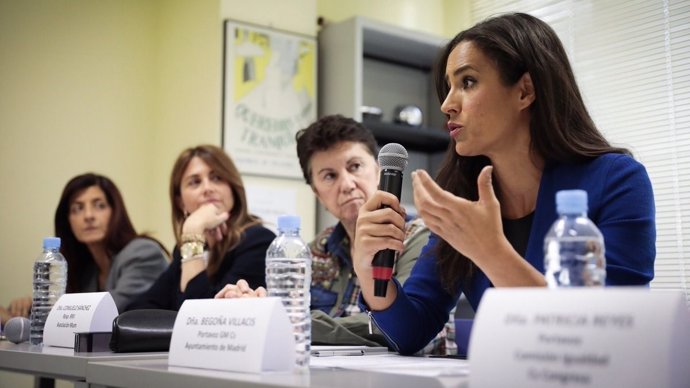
{"x": 208, "y": 220}
{"x": 473, "y": 228}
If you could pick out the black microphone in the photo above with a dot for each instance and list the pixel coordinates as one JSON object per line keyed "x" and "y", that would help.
{"x": 17, "y": 329}
{"x": 393, "y": 160}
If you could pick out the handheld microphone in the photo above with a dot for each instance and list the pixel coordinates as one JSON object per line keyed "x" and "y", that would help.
{"x": 393, "y": 160}
{"x": 17, "y": 329}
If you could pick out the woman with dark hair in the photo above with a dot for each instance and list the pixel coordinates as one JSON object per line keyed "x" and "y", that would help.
{"x": 520, "y": 132}
{"x": 218, "y": 240}
{"x": 103, "y": 250}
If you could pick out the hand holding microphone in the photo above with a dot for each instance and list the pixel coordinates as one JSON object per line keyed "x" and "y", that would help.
{"x": 392, "y": 160}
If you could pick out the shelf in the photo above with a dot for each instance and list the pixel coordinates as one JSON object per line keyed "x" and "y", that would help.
{"x": 365, "y": 62}
{"x": 422, "y": 139}
{"x": 409, "y": 48}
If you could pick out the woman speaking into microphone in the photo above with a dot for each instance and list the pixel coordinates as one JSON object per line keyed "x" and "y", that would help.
{"x": 519, "y": 132}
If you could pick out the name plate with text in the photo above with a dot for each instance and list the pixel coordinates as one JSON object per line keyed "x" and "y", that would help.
{"x": 580, "y": 337}
{"x": 240, "y": 335}
{"x": 78, "y": 312}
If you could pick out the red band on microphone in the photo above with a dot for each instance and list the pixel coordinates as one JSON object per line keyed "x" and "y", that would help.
{"x": 384, "y": 273}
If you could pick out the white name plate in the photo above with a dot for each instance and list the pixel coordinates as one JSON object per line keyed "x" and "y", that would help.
{"x": 86, "y": 311}
{"x": 239, "y": 335}
{"x": 580, "y": 337}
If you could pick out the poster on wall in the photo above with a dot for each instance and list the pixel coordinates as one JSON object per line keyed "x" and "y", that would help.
{"x": 269, "y": 94}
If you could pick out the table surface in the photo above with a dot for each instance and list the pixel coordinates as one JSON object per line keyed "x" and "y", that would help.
{"x": 62, "y": 363}
{"x": 151, "y": 370}
{"x": 157, "y": 373}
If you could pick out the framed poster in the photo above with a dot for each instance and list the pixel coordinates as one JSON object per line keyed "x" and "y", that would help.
{"x": 269, "y": 94}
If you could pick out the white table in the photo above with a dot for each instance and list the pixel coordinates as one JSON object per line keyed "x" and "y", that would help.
{"x": 151, "y": 370}
{"x": 157, "y": 374}
{"x": 59, "y": 363}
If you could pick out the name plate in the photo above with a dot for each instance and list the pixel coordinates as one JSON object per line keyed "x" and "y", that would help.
{"x": 580, "y": 337}
{"x": 78, "y": 312}
{"x": 239, "y": 335}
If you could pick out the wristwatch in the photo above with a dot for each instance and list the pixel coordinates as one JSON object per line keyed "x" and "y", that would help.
{"x": 191, "y": 249}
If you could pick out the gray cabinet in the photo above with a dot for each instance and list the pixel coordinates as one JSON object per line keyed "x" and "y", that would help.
{"x": 368, "y": 63}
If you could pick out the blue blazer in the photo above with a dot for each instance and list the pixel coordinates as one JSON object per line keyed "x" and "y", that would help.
{"x": 621, "y": 204}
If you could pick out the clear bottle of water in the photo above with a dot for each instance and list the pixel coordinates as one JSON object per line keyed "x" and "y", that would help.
{"x": 49, "y": 284}
{"x": 574, "y": 246}
{"x": 288, "y": 275}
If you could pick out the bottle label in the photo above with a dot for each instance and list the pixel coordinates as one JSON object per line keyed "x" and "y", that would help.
{"x": 574, "y": 262}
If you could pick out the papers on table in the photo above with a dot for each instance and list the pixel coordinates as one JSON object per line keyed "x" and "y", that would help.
{"x": 331, "y": 351}
{"x": 395, "y": 363}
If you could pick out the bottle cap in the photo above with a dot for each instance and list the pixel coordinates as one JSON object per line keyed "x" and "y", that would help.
{"x": 288, "y": 222}
{"x": 51, "y": 243}
{"x": 571, "y": 201}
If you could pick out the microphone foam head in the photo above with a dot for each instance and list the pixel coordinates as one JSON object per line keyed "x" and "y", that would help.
{"x": 393, "y": 156}
{"x": 17, "y": 329}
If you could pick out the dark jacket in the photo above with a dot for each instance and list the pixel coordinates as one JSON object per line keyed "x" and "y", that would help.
{"x": 246, "y": 261}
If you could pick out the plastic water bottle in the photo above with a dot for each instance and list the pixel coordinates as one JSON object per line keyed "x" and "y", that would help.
{"x": 574, "y": 246}
{"x": 50, "y": 281}
{"x": 288, "y": 276}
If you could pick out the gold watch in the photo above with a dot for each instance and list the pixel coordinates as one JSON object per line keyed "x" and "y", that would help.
{"x": 191, "y": 249}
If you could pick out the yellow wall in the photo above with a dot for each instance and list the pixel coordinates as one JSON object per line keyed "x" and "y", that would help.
{"x": 120, "y": 87}
{"x": 421, "y": 15}
{"x": 116, "y": 87}
{"x": 436, "y": 17}
{"x": 187, "y": 93}
{"x": 77, "y": 93}
{"x": 457, "y": 16}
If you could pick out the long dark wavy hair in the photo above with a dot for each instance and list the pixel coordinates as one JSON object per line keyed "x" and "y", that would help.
{"x": 119, "y": 233}
{"x": 240, "y": 218}
{"x": 561, "y": 129}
